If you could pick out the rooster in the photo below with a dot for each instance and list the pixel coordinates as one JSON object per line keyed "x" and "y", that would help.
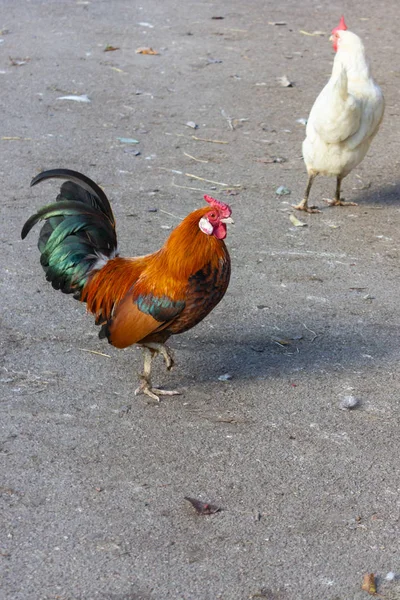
{"x": 345, "y": 116}
{"x": 142, "y": 300}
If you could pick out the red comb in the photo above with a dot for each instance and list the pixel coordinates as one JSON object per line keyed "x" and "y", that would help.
{"x": 224, "y": 208}
{"x": 341, "y": 27}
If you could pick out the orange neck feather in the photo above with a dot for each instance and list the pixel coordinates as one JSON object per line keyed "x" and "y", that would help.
{"x": 188, "y": 249}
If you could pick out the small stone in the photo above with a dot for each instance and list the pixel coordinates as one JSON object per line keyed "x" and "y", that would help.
{"x": 225, "y": 377}
{"x": 282, "y": 191}
{"x": 349, "y": 402}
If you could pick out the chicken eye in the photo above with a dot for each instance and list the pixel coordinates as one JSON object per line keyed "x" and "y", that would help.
{"x": 213, "y": 215}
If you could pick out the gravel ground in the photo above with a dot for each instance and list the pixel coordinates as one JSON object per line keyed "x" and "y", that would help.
{"x": 94, "y": 478}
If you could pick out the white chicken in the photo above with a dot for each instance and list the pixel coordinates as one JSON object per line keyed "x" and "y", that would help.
{"x": 344, "y": 118}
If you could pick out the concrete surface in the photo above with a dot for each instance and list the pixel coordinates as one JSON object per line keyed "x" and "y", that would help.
{"x": 94, "y": 479}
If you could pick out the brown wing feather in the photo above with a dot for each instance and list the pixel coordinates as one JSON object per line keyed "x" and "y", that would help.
{"x": 129, "y": 325}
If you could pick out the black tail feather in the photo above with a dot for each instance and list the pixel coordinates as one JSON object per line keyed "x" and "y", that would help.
{"x": 96, "y": 195}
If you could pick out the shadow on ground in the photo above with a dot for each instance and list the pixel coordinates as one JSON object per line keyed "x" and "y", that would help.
{"x": 257, "y": 355}
{"x": 388, "y": 195}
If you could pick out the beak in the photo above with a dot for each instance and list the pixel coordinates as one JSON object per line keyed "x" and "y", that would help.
{"x": 227, "y": 220}
{"x": 331, "y": 38}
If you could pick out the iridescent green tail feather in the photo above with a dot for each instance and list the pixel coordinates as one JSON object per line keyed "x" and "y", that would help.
{"x": 79, "y": 230}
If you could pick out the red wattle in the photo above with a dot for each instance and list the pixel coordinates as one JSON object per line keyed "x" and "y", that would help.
{"x": 220, "y": 231}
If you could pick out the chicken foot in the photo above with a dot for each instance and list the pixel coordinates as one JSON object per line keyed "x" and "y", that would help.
{"x": 303, "y": 205}
{"x": 145, "y": 387}
{"x": 338, "y": 201}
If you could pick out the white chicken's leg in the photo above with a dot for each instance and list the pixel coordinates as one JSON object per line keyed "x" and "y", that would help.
{"x": 338, "y": 201}
{"x": 303, "y": 205}
{"x": 145, "y": 387}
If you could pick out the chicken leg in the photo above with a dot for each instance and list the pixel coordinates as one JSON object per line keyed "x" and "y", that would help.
{"x": 337, "y": 201}
{"x": 145, "y": 387}
{"x": 303, "y": 205}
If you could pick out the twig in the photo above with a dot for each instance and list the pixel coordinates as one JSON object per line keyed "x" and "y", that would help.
{"x": 207, "y": 180}
{"x": 314, "y": 33}
{"x": 311, "y": 331}
{"x": 15, "y": 138}
{"x": 177, "y": 172}
{"x": 119, "y": 70}
{"x": 194, "y": 158}
{"x": 177, "y": 134}
{"x": 228, "y": 119}
{"x": 207, "y": 140}
{"x": 185, "y": 187}
{"x": 231, "y": 187}
{"x": 170, "y": 214}
{"x": 94, "y": 352}
{"x": 171, "y": 170}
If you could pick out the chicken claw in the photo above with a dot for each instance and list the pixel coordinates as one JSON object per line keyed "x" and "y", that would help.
{"x": 339, "y": 202}
{"x": 154, "y": 393}
{"x": 304, "y": 206}
{"x": 150, "y": 351}
{"x": 167, "y": 355}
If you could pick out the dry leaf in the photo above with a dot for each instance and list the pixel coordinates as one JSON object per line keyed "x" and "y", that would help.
{"x": 284, "y": 81}
{"x": 296, "y": 221}
{"x": 18, "y": 62}
{"x": 203, "y": 508}
{"x": 368, "y": 584}
{"x": 282, "y": 342}
{"x": 109, "y": 48}
{"x": 266, "y": 161}
{"x": 272, "y": 159}
{"x": 146, "y": 51}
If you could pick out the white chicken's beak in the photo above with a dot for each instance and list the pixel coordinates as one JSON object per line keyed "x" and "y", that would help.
{"x": 331, "y": 38}
{"x": 228, "y": 220}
